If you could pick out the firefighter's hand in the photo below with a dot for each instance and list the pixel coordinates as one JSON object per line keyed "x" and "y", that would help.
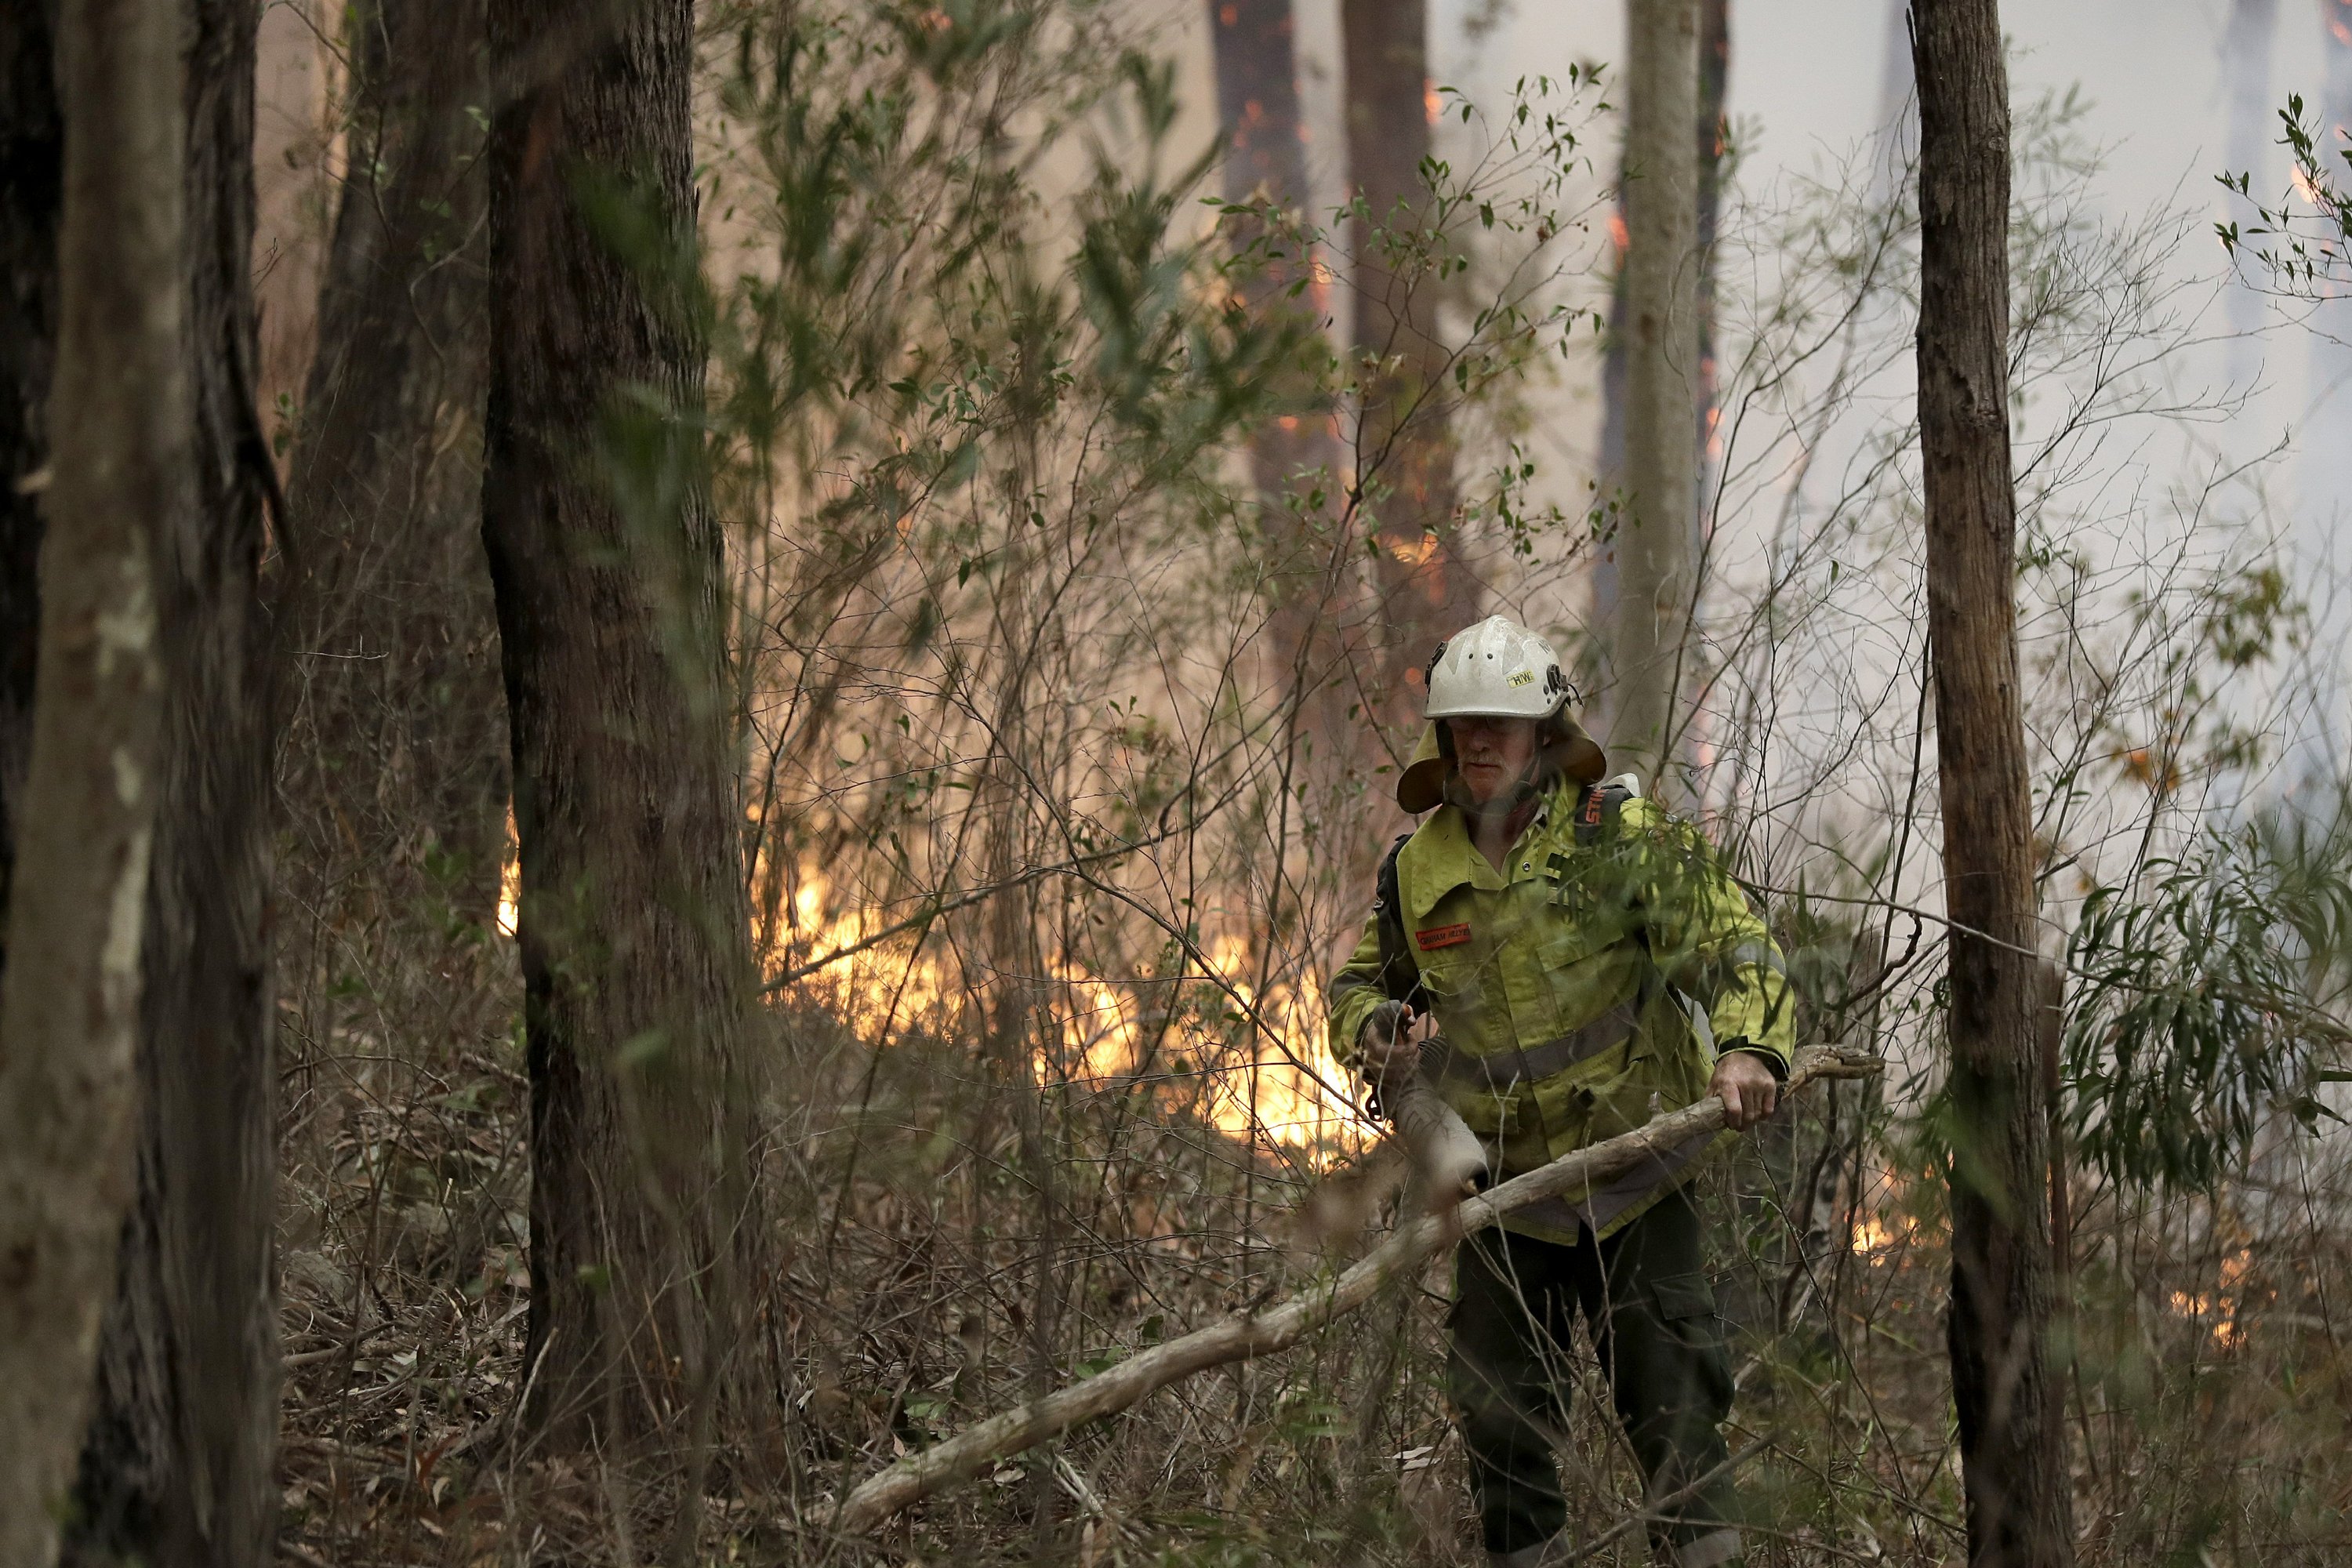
{"x": 1747, "y": 1089}
{"x": 1391, "y": 1042}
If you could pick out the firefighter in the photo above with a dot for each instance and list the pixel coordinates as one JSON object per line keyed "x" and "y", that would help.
{"x": 1563, "y": 961}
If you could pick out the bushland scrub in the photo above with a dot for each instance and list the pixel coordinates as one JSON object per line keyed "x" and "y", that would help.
{"x": 1051, "y": 831}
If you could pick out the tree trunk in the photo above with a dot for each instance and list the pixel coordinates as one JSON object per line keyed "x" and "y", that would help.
{"x": 1266, "y": 159}
{"x": 395, "y": 763}
{"x": 31, "y": 166}
{"x": 1609, "y": 468}
{"x": 1257, "y": 101}
{"x": 69, "y": 1003}
{"x": 1653, "y": 533}
{"x": 1405, "y": 442}
{"x": 1697, "y": 740}
{"x": 607, "y": 562}
{"x": 177, "y": 1462}
{"x": 1714, "y": 137}
{"x": 2004, "y": 1382}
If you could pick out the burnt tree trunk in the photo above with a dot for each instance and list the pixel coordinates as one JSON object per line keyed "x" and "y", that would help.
{"x": 1405, "y": 441}
{"x": 2004, "y": 1370}
{"x": 607, "y": 564}
{"x": 395, "y": 764}
{"x": 177, "y": 1464}
{"x": 70, "y": 1001}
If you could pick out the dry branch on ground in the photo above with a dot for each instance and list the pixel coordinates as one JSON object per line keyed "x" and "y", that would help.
{"x": 1259, "y": 1333}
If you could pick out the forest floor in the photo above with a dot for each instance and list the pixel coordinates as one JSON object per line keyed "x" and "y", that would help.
{"x": 948, "y": 1242}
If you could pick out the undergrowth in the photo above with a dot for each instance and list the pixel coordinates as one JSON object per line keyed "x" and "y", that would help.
{"x": 934, "y": 1267}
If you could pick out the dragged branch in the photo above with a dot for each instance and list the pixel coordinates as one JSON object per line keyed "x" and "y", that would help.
{"x": 1247, "y": 1335}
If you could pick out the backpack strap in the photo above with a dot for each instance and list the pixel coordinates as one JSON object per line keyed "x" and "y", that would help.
{"x": 1598, "y": 811}
{"x": 1400, "y": 977}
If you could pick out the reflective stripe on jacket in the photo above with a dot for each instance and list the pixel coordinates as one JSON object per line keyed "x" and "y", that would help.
{"x": 1561, "y": 986}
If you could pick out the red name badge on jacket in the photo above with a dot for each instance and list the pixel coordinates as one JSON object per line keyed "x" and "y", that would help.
{"x": 1442, "y": 936}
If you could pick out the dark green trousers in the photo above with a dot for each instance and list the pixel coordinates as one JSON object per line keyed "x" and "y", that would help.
{"x": 1644, "y": 1296}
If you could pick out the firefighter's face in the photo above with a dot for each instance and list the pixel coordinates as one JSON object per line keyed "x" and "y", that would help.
{"x": 1493, "y": 754}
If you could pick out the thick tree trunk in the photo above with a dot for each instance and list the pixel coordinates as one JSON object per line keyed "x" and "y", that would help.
{"x": 1654, "y": 534}
{"x": 1405, "y": 442}
{"x": 607, "y": 561}
{"x": 31, "y": 166}
{"x": 394, "y": 764}
{"x": 69, "y": 1003}
{"x": 2004, "y": 1371}
{"x": 178, "y": 1463}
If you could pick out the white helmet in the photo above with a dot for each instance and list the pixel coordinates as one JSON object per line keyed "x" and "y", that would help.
{"x": 1496, "y": 670}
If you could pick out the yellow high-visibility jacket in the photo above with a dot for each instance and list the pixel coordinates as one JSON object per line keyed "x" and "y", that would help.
{"x": 1581, "y": 991}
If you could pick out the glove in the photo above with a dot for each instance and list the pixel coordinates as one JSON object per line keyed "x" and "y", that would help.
{"x": 1385, "y": 1044}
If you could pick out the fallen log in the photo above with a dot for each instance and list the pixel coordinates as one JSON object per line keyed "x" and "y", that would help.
{"x": 1249, "y": 1334}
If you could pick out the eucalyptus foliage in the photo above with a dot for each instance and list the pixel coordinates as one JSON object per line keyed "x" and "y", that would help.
{"x": 2301, "y": 243}
{"x": 2200, "y": 1001}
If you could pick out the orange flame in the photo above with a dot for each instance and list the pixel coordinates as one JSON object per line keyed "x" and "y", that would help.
{"x": 510, "y": 879}
{"x": 1278, "y": 1093}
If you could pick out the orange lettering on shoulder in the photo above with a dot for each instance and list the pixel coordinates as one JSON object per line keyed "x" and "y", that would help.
{"x": 1444, "y": 936}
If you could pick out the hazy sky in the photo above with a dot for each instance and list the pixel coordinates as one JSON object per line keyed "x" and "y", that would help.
{"x": 1809, "y": 79}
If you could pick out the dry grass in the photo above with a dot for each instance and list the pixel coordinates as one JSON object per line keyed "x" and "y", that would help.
{"x": 950, "y": 1240}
